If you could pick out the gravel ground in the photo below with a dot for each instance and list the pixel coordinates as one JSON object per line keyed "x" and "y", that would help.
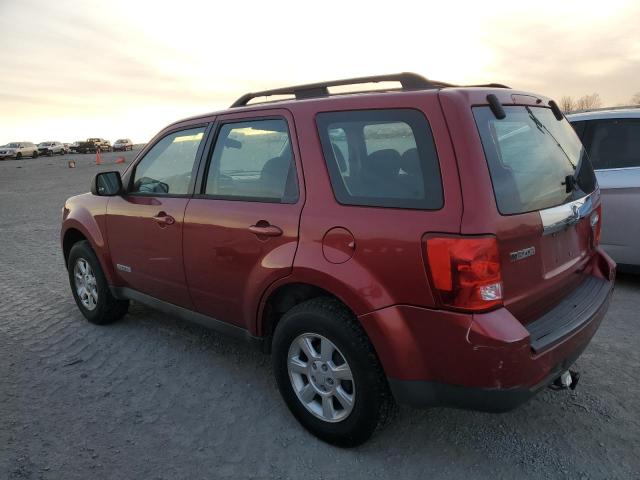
{"x": 151, "y": 397}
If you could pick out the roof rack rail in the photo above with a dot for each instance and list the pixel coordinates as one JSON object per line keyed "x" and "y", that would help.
{"x": 489, "y": 85}
{"x": 409, "y": 81}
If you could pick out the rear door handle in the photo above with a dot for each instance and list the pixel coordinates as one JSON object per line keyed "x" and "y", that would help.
{"x": 163, "y": 219}
{"x": 266, "y": 230}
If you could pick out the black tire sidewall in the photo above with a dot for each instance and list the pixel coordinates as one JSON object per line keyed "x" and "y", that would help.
{"x": 363, "y": 419}
{"x": 84, "y": 250}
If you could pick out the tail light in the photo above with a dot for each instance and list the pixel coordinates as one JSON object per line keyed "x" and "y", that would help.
{"x": 465, "y": 272}
{"x": 596, "y": 225}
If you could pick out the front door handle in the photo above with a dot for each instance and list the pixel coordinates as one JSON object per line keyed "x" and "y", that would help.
{"x": 265, "y": 230}
{"x": 163, "y": 219}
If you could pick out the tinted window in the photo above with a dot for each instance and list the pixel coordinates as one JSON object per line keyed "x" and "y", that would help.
{"x": 253, "y": 160}
{"x": 614, "y": 143}
{"x": 384, "y": 158}
{"x": 168, "y": 167}
{"x": 579, "y": 128}
{"x": 530, "y": 156}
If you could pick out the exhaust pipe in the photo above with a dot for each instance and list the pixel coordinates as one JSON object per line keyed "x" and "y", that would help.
{"x": 568, "y": 379}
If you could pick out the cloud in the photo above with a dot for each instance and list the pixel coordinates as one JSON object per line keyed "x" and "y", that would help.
{"x": 97, "y": 68}
{"x": 601, "y": 55}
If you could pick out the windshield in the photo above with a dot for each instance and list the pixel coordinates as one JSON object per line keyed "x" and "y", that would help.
{"x": 45, "y": 144}
{"x": 535, "y": 161}
{"x": 13, "y": 145}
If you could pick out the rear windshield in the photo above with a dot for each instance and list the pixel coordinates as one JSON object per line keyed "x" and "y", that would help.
{"x": 530, "y": 156}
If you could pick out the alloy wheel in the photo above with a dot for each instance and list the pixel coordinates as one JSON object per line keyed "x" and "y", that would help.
{"x": 86, "y": 284}
{"x": 321, "y": 377}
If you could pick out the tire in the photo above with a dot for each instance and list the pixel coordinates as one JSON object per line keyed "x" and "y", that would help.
{"x": 106, "y": 309}
{"x": 372, "y": 402}
{"x": 18, "y": 156}
{"x": 35, "y": 154}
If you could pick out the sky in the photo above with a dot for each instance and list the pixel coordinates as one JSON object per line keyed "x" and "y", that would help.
{"x": 126, "y": 68}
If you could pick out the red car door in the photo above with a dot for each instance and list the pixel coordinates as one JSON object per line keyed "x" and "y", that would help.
{"x": 241, "y": 231}
{"x": 145, "y": 226}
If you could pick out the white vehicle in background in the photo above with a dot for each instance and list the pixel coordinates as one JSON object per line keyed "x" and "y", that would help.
{"x": 122, "y": 144}
{"x": 51, "y": 148}
{"x": 612, "y": 138}
{"x": 18, "y": 150}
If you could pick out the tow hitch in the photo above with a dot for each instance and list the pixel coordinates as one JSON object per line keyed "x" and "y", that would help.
{"x": 568, "y": 379}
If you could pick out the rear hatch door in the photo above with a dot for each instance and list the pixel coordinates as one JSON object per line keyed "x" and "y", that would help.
{"x": 545, "y": 194}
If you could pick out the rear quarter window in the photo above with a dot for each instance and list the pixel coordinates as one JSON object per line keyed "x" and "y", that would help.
{"x": 381, "y": 158}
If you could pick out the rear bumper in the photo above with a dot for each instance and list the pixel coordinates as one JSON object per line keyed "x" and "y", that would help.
{"x": 482, "y": 361}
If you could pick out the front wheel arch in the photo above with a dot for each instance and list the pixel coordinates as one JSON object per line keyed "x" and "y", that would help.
{"x": 71, "y": 237}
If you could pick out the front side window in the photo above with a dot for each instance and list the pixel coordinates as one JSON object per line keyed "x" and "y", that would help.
{"x": 253, "y": 160}
{"x": 168, "y": 167}
{"x": 381, "y": 158}
{"x": 614, "y": 143}
{"x": 531, "y": 157}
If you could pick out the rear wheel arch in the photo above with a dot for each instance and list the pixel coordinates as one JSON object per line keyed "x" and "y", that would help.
{"x": 284, "y": 298}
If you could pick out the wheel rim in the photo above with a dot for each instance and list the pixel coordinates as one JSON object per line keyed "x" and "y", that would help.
{"x": 321, "y": 377}
{"x": 86, "y": 284}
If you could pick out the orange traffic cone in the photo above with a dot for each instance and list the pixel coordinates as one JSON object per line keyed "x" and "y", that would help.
{"x": 98, "y": 157}
{"x": 120, "y": 160}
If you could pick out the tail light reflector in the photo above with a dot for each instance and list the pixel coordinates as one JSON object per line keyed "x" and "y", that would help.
{"x": 465, "y": 272}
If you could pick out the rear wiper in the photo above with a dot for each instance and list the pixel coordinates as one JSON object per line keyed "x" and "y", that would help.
{"x": 543, "y": 128}
{"x": 570, "y": 181}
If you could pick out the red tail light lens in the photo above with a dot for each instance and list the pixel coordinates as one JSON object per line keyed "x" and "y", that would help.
{"x": 465, "y": 272}
{"x": 596, "y": 225}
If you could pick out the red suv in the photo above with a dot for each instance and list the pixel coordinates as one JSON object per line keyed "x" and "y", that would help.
{"x": 429, "y": 244}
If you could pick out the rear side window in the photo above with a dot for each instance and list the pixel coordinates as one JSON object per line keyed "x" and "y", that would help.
{"x": 614, "y": 143}
{"x": 381, "y": 158}
{"x": 530, "y": 155}
{"x": 253, "y": 161}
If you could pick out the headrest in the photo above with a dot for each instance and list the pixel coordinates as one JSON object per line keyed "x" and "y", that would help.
{"x": 383, "y": 162}
{"x": 411, "y": 162}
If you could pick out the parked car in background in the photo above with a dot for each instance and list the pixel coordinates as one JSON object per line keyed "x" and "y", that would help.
{"x": 612, "y": 138}
{"x": 345, "y": 235}
{"x": 92, "y": 145}
{"x": 122, "y": 144}
{"x": 73, "y": 147}
{"x": 51, "y": 148}
{"x": 18, "y": 150}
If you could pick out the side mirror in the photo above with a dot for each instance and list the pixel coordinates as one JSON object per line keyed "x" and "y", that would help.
{"x": 107, "y": 184}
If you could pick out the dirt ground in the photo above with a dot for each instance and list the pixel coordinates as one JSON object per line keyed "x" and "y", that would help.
{"x": 152, "y": 397}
